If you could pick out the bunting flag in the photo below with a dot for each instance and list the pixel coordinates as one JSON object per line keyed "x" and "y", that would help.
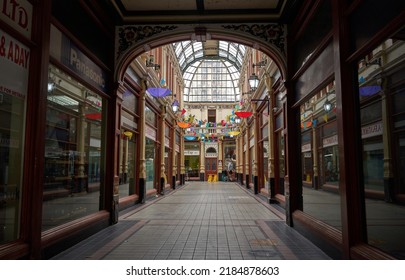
{"x": 325, "y": 117}
{"x": 306, "y": 124}
{"x": 183, "y": 111}
{"x": 162, "y": 81}
{"x": 314, "y": 122}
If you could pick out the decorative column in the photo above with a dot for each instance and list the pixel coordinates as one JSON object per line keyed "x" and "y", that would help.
{"x": 241, "y": 169}
{"x": 183, "y": 168}
{"x": 349, "y": 131}
{"x": 388, "y": 167}
{"x": 202, "y": 161}
{"x": 247, "y": 157}
{"x": 125, "y": 159}
{"x": 237, "y": 141}
{"x": 315, "y": 177}
{"x": 255, "y": 149}
{"x": 174, "y": 166}
{"x": 162, "y": 149}
{"x": 142, "y": 161}
{"x": 114, "y": 147}
{"x": 220, "y": 160}
{"x": 270, "y": 151}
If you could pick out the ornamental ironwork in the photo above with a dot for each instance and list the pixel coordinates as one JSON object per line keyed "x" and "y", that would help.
{"x": 130, "y": 35}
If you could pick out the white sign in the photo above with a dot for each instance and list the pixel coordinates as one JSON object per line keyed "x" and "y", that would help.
{"x": 306, "y": 147}
{"x": 330, "y": 141}
{"x": 18, "y": 14}
{"x": 211, "y": 155}
{"x": 372, "y": 130}
{"x": 150, "y": 132}
{"x": 191, "y": 153}
{"x": 14, "y": 65}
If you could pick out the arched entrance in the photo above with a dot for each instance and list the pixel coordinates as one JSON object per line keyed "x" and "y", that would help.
{"x": 132, "y": 41}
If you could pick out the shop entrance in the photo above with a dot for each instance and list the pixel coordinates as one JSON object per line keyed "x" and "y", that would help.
{"x": 210, "y": 168}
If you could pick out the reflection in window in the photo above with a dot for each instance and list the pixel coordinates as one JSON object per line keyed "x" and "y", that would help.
{"x": 382, "y": 95}
{"x": 73, "y": 152}
{"x": 150, "y": 154}
{"x": 127, "y": 164}
{"x": 320, "y": 195}
{"x": 12, "y": 115}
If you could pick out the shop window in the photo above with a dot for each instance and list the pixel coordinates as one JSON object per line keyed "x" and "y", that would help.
{"x": 12, "y": 112}
{"x": 150, "y": 155}
{"x": 320, "y": 159}
{"x": 74, "y": 146}
{"x": 383, "y": 140}
{"x": 127, "y": 164}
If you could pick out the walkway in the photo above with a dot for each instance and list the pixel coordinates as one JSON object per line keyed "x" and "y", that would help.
{"x": 199, "y": 221}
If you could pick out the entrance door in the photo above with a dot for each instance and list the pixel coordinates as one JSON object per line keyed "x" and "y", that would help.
{"x": 210, "y": 167}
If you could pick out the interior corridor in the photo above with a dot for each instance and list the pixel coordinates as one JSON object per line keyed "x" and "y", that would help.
{"x": 201, "y": 221}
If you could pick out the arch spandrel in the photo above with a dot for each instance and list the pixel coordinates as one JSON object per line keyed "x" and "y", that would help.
{"x": 133, "y": 40}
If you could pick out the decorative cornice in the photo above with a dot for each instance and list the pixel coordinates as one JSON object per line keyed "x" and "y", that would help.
{"x": 130, "y": 35}
{"x": 274, "y": 33}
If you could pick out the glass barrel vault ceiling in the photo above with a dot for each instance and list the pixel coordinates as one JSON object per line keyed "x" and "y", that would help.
{"x": 210, "y": 70}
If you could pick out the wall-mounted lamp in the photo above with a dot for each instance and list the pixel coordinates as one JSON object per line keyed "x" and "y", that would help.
{"x": 260, "y": 63}
{"x": 52, "y": 83}
{"x": 175, "y": 105}
{"x": 327, "y": 106}
{"x": 51, "y": 86}
{"x": 253, "y": 82}
{"x": 150, "y": 62}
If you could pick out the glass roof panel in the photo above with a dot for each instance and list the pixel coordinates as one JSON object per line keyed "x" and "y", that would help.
{"x": 211, "y": 70}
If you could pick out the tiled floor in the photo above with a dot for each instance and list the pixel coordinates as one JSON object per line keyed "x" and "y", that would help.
{"x": 199, "y": 221}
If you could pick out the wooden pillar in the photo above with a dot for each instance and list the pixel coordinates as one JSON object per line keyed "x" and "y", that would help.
{"x": 255, "y": 149}
{"x": 182, "y": 168}
{"x": 349, "y": 134}
{"x": 32, "y": 195}
{"x": 162, "y": 149}
{"x": 174, "y": 166}
{"x": 247, "y": 158}
{"x": 220, "y": 160}
{"x": 271, "y": 148}
{"x": 202, "y": 161}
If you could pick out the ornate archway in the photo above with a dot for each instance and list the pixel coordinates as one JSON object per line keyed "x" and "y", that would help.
{"x": 133, "y": 40}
